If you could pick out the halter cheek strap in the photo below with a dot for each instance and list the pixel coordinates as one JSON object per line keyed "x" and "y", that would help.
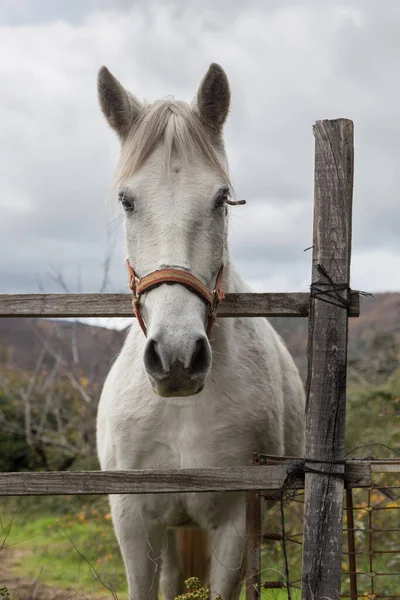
{"x": 140, "y": 286}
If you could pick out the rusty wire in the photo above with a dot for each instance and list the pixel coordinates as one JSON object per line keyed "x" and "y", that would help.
{"x": 371, "y": 542}
{"x": 374, "y": 571}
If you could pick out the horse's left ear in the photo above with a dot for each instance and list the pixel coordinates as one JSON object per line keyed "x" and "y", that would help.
{"x": 120, "y": 107}
{"x": 213, "y": 98}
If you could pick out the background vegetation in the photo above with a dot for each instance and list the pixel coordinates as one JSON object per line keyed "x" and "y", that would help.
{"x": 48, "y": 401}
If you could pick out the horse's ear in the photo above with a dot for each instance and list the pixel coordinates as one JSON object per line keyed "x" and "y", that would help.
{"x": 213, "y": 98}
{"x": 119, "y": 106}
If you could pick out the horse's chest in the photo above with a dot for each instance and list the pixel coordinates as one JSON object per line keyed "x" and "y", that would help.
{"x": 183, "y": 438}
{"x": 185, "y": 442}
{"x": 177, "y": 447}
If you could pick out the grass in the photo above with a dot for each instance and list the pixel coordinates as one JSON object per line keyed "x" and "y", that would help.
{"x": 68, "y": 542}
{"x": 72, "y": 546}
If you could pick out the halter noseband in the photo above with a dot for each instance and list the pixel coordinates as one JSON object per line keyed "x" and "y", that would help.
{"x": 170, "y": 275}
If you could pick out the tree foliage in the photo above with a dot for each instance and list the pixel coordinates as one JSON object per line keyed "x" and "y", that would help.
{"x": 46, "y": 423}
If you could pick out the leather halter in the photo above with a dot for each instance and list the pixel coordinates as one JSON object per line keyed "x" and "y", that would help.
{"x": 170, "y": 275}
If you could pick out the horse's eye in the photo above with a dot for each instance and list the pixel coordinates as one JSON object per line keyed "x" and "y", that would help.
{"x": 221, "y": 197}
{"x": 126, "y": 201}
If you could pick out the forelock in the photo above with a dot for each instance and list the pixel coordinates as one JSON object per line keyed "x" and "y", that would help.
{"x": 178, "y": 126}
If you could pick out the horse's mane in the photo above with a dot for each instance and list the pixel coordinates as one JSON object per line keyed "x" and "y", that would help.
{"x": 178, "y": 126}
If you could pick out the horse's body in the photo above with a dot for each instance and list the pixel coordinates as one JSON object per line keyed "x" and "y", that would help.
{"x": 252, "y": 400}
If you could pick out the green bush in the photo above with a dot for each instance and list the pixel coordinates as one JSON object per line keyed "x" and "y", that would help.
{"x": 195, "y": 591}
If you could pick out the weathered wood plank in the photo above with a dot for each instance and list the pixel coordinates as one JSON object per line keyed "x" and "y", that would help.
{"x": 381, "y": 467}
{"x": 217, "y": 479}
{"x": 120, "y": 305}
{"x": 358, "y": 474}
{"x": 143, "y": 481}
{"x": 327, "y": 363}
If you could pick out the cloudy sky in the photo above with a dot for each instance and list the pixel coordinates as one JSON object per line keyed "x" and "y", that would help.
{"x": 290, "y": 63}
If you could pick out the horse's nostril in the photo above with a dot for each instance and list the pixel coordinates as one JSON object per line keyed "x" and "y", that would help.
{"x": 200, "y": 358}
{"x": 152, "y": 359}
{"x": 163, "y": 365}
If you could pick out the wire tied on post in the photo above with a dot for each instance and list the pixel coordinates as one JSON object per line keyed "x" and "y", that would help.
{"x": 299, "y": 468}
{"x": 329, "y": 291}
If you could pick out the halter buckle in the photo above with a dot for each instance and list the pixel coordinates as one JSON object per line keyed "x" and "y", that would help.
{"x": 218, "y": 296}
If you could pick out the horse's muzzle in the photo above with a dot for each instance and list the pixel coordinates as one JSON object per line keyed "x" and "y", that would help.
{"x": 175, "y": 378}
{"x": 177, "y": 382}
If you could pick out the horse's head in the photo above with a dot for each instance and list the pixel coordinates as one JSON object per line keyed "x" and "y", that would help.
{"x": 173, "y": 185}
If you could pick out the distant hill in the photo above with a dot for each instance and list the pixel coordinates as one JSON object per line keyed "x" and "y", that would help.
{"x": 93, "y": 349}
{"x": 89, "y": 348}
{"x": 379, "y": 313}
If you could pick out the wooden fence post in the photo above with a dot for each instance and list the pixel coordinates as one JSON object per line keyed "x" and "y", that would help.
{"x": 327, "y": 361}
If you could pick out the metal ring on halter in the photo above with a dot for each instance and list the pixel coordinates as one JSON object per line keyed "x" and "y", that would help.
{"x": 172, "y": 275}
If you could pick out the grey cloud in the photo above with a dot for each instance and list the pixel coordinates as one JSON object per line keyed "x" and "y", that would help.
{"x": 26, "y": 12}
{"x": 289, "y": 64}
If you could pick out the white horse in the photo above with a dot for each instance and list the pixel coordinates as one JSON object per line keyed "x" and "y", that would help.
{"x": 179, "y": 398}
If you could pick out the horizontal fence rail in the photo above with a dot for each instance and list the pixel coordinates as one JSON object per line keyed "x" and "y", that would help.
{"x": 294, "y": 304}
{"x": 146, "y": 481}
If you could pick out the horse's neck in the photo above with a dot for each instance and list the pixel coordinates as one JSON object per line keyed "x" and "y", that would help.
{"x": 233, "y": 283}
{"x": 223, "y": 333}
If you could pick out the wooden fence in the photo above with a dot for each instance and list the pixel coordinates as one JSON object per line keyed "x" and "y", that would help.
{"x": 328, "y": 306}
